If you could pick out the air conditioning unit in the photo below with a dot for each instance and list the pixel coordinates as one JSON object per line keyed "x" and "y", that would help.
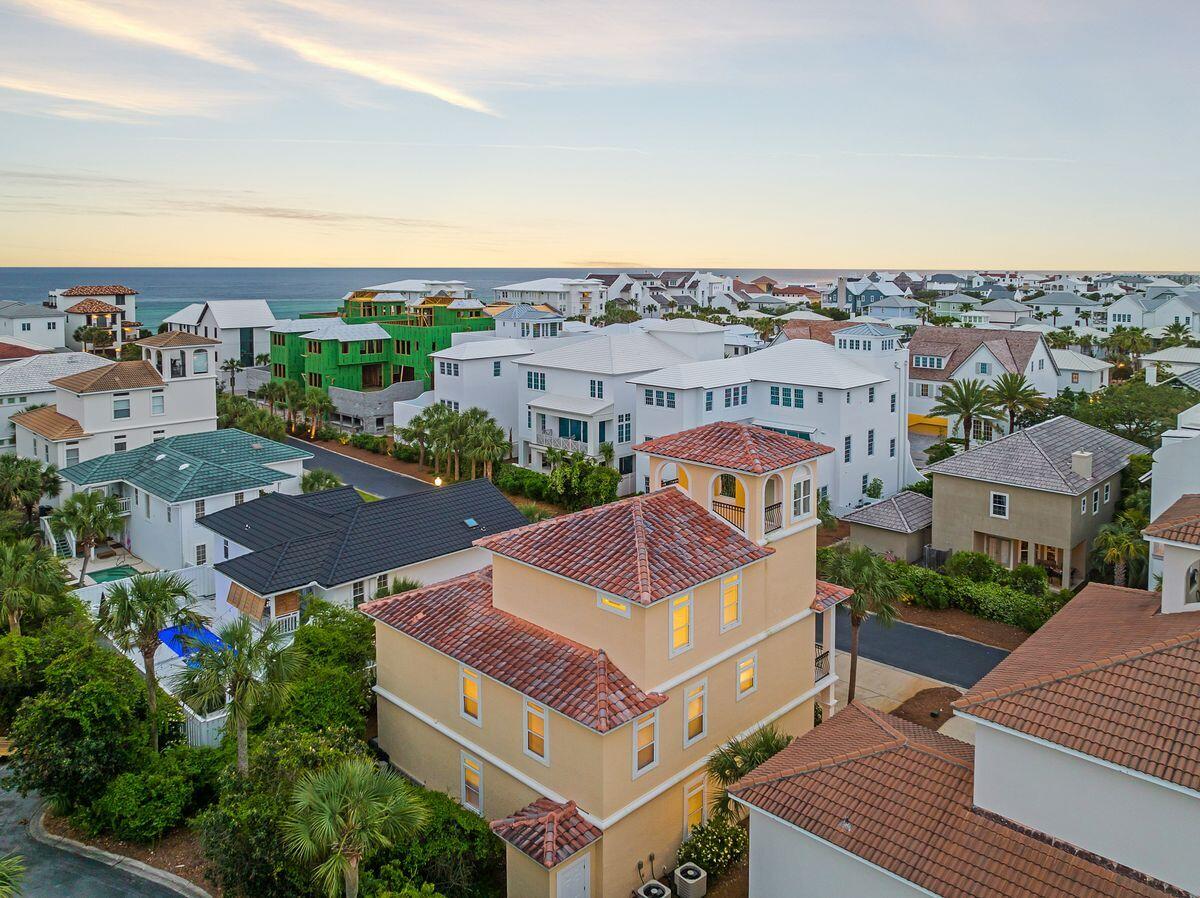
{"x": 653, "y": 889}
{"x": 690, "y": 881}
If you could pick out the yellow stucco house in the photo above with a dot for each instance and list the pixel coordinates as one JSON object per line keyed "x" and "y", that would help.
{"x": 572, "y": 692}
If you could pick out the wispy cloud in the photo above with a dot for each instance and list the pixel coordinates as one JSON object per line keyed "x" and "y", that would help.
{"x": 356, "y": 141}
{"x": 969, "y": 157}
{"x": 71, "y": 90}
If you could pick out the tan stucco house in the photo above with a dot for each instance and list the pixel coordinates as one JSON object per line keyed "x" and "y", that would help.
{"x": 900, "y": 526}
{"x": 1037, "y": 496}
{"x": 572, "y": 692}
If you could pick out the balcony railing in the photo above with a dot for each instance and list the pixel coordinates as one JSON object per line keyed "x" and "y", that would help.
{"x": 554, "y": 441}
{"x": 671, "y": 482}
{"x": 123, "y": 502}
{"x": 734, "y": 514}
{"x": 822, "y": 662}
{"x": 773, "y": 517}
{"x": 288, "y": 622}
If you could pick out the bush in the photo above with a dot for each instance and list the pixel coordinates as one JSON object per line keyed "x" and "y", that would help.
{"x": 1011, "y": 606}
{"x": 520, "y": 481}
{"x": 139, "y": 807}
{"x": 714, "y": 846}
{"x": 335, "y": 635}
{"x": 923, "y": 486}
{"x": 533, "y": 512}
{"x": 940, "y": 451}
{"x": 974, "y": 566}
{"x": 1028, "y": 578}
{"x": 923, "y": 587}
{"x": 329, "y": 696}
{"x": 370, "y": 442}
{"x": 406, "y": 452}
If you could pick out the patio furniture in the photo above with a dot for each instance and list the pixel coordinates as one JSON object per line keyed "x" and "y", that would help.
{"x": 105, "y": 552}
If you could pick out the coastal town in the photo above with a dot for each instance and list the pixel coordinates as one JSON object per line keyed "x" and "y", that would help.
{"x": 635, "y": 582}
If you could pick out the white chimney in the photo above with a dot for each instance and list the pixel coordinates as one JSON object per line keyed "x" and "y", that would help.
{"x": 1081, "y": 463}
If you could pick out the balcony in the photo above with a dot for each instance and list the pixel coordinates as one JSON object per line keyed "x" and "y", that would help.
{"x": 773, "y": 517}
{"x": 554, "y": 441}
{"x": 734, "y": 514}
{"x": 123, "y": 502}
{"x": 821, "y": 664}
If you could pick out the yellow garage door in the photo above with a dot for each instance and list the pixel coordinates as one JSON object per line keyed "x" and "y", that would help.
{"x": 928, "y": 426}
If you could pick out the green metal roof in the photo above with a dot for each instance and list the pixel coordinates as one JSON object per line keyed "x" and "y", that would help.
{"x": 191, "y": 466}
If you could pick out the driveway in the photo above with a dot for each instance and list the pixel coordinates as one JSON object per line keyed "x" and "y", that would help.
{"x": 918, "y": 445}
{"x": 50, "y": 873}
{"x": 378, "y": 481}
{"x": 951, "y": 659}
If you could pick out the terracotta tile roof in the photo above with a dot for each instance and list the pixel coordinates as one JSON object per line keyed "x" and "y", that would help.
{"x": 105, "y": 290}
{"x": 1180, "y": 522}
{"x": 47, "y": 422}
{"x": 900, "y": 796}
{"x": 117, "y": 376}
{"x": 172, "y": 339}
{"x": 92, "y": 307}
{"x": 456, "y": 617}
{"x": 644, "y": 548}
{"x": 739, "y": 447}
{"x": 814, "y": 330}
{"x": 1012, "y": 349}
{"x": 828, "y": 595}
{"x": 796, "y": 290}
{"x": 13, "y": 351}
{"x": 1109, "y": 676}
{"x": 548, "y": 831}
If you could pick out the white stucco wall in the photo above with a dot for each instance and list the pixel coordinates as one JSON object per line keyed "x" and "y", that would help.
{"x": 48, "y": 332}
{"x": 1137, "y": 822}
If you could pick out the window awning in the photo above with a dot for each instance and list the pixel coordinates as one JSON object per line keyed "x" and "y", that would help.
{"x": 249, "y": 603}
{"x": 571, "y": 405}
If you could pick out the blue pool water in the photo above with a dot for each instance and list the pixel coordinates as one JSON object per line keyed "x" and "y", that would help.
{"x": 174, "y": 639}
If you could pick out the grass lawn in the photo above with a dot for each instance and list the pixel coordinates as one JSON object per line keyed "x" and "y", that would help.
{"x": 367, "y": 497}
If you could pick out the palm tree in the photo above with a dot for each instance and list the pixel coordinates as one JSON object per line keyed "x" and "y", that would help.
{"x": 244, "y": 671}
{"x": 272, "y": 392}
{"x": 30, "y": 576}
{"x": 317, "y": 405}
{"x": 293, "y": 398}
{"x": 134, "y": 613}
{"x": 1055, "y": 314}
{"x": 875, "y": 594}
{"x": 25, "y": 481}
{"x": 472, "y": 424}
{"x": 607, "y": 453}
{"x": 232, "y": 367}
{"x": 1014, "y": 394}
{"x": 91, "y": 517}
{"x": 738, "y": 757}
{"x": 966, "y": 400}
{"x": 440, "y": 434}
{"x": 415, "y": 431}
{"x": 343, "y": 814}
{"x": 1118, "y": 543}
{"x": 1085, "y": 316}
{"x": 1176, "y": 334}
{"x": 318, "y": 479}
{"x": 263, "y": 358}
{"x": 12, "y": 871}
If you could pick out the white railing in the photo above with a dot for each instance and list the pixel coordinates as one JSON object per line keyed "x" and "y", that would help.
{"x": 123, "y": 502}
{"x": 203, "y": 730}
{"x": 199, "y": 580}
{"x": 553, "y": 441}
{"x": 288, "y": 623}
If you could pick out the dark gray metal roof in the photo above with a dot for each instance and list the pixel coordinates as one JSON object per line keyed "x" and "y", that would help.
{"x": 276, "y": 518}
{"x": 905, "y": 512}
{"x": 376, "y": 537}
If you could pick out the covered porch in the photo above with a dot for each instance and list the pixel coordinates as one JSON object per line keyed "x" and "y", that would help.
{"x": 281, "y": 609}
{"x": 65, "y": 545}
{"x": 1064, "y": 567}
{"x": 569, "y": 424}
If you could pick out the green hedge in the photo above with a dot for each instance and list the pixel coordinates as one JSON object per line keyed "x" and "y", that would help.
{"x": 520, "y": 481}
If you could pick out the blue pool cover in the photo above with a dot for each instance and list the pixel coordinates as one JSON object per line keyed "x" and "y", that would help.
{"x": 174, "y": 639}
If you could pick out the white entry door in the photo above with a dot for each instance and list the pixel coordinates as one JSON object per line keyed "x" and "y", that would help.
{"x": 575, "y": 880}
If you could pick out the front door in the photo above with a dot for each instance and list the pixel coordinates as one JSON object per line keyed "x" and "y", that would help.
{"x": 575, "y": 880}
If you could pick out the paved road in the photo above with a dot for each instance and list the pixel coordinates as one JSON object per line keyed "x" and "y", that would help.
{"x": 929, "y": 653}
{"x": 366, "y": 477}
{"x": 50, "y": 873}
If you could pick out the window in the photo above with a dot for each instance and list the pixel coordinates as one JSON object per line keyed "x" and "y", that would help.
{"x": 708, "y": 400}
{"x": 747, "y": 676}
{"x": 774, "y": 395}
{"x": 695, "y": 713}
{"x": 847, "y": 450}
{"x": 72, "y": 456}
{"x": 865, "y": 483}
{"x": 893, "y": 402}
{"x": 120, "y": 407}
{"x": 612, "y": 604}
{"x": 1074, "y": 377}
{"x": 1095, "y": 501}
{"x": 51, "y": 325}
{"x": 201, "y": 554}
{"x": 1107, "y": 492}
{"x": 624, "y": 428}
{"x": 225, "y": 548}
{"x": 147, "y": 506}
{"x": 892, "y": 448}
{"x": 820, "y": 397}
{"x": 158, "y": 404}
{"x": 645, "y": 743}
{"x": 469, "y": 704}
{"x": 870, "y": 442}
{"x": 535, "y": 380}
{"x": 927, "y": 361}
{"x": 26, "y": 326}
{"x": 472, "y": 783}
{"x": 536, "y": 744}
{"x": 649, "y": 397}
{"x": 625, "y": 466}
{"x": 496, "y": 369}
{"x": 199, "y": 509}
{"x": 359, "y": 589}
{"x": 381, "y": 584}
{"x": 802, "y": 498}
{"x": 158, "y": 435}
{"x": 239, "y": 498}
{"x": 596, "y": 389}
{"x": 870, "y": 394}
{"x": 695, "y": 807}
{"x": 985, "y": 368}
{"x": 681, "y": 624}
{"x": 1083, "y": 504}
{"x": 731, "y": 601}
{"x": 1000, "y": 505}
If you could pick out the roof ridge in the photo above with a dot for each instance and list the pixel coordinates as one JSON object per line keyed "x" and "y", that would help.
{"x": 603, "y": 705}
{"x": 1042, "y": 452}
{"x": 354, "y": 513}
{"x": 645, "y": 589}
{"x": 899, "y": 510}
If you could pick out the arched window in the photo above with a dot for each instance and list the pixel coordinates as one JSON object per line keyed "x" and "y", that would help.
{"x": 1191, "y": 585}
{"x": 200, "y": 361}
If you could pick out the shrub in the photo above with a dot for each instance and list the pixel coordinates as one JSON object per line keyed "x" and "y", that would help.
{"x": 1029, "y": 578}
{"x": 406, "y": 452}
{"x": 974, "y": 566}
{"x": 940, "y": 451}
{"x": 924, "y": 486}
{"x": 329, "y": 696}
{"x": 923, "y": 587}
{"x": 714, "y": 846}
{"x": 1009, "y": 606}
{"x": 370, "y": 442}
{"x": 139, "y": 807}
{"x": 875, "y": 488}
{"x": 533, "y": 512}
{"x": 335, "y": 635}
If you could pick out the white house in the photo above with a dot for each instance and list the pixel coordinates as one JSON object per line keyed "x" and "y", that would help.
{"x": 242, "y": 327}
{"x": 39, "y": 325}
{"x": 476, "y": 374}
{"x": 524, "y": 321}
{"x": 1003, "y": 312}
{"x": 898, "y": 308}
{"x": 955, "y": 304}
{"x": 1065, "y": 309}
{"x": 165, "y": 488}
{"x": 111, "y": 307}
{"x": 1176, "y": 359}
{"x": 26, "y": 382}
{"x": 1174, "y": 473}
{"x": 573, "y": 297}
{"x": 1156, "y": 310}
{"x": 851, "y": 395}
{"x": 1077, "y": 371}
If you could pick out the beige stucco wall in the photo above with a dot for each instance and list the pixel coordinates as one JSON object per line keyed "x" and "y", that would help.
{"x": 905, "y": 546}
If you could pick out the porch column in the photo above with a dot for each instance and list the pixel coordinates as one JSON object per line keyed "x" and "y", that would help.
{"x": 1066, "y": 568}
{"x": 828, "y": 631}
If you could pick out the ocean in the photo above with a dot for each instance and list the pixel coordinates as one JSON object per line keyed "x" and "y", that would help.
{"x": 290, "y": 291}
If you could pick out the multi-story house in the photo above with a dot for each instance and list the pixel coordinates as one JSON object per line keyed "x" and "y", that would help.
{"x": 164, "y": 489}
{"x": 1003, "y": 312}
{"x": 476, "y": 374}
{"x": 641, "y": 292}
{"x": 857, "y": 297}
{"x": 1077, "y": 371}
{"x": 851, "y": 395}
{"x": 1037, "y": 496}
{"x": 898, "y": 308}
{"x": 573, "y": 692}
{"x": 111, "y": 307}
{"x": 937, "y": 355}
{"x": 37, "y": 325}
{"x": 121, "y": 406}
{"x": 241, "y": 327}
{"x": 525, "y": 321}
{"x": 574, "y": 297}
{"x": 955, "y": 304}
{"x": 944, "y": 282}
{"x": 1170, "y": 362}
{"x": 1155, "y": 311}
{"x": 1065, "y": 309}
{"x": 27, "y": 381}
{"x": 410, "y": 292}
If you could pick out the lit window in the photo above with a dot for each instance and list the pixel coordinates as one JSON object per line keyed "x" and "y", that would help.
{"x": 612, "y": 604}
{"x": 802, "y": 498}
{"x": 747, "y": 675}
{"x": 681, "y": 624}
{"x": 470, "y": 704}
{"x": 1000, "y": 505}
{"x": 645, "y": 743}
{"x": 694, "y": 805}
{"x": 472, "y": 784}
{"x": 535, "y": 730}
{"x": 695, "y": 712}
{"x": 731, "y": 601}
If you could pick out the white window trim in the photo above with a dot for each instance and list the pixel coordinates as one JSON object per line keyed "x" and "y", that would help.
{"x": 689, "y": 789}
{"x": 737, "y": 676}
{"x": 672, "y": 651}
{"x": 992, "y": 506}
{"x": 702, "y": 684}
{"x": 737, "y": 622}
{"x": 637, "y": 726}
{"x": 605, "y": 602}
{"x": 463, "y": 673}
{"x": 463, "y": 757}
{"x": 1107, "y": 492}
{"x": 545, "y": 712}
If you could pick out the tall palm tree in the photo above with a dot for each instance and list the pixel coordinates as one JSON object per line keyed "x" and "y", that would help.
{"x": 738, "y": 757}
{"x": 244, "y": 671}
{"x": 317, "y": 406}
{"x": 1177, "y": 334}
{"x": 30, "y": 576}
{"x": 1014, "y": 394}
{"x": 440, "y": 434}
{"x": 293, "y": 398}
{"x": 12, "y": 872}
{"x": 91, "y": 517}
{"x": 318, "y": 479}
{"x": 134, "y": 613}
{"x": 875, "y": 594}
{"x": 272, "y": 393}
{"x": 475, "y": 422}
{"x": 263, "y": 358}
{"x": 232, "y": 367}
{"x": 1055, "y": 314}
{"x": 341, "y": 815}
{"x": 1119, "y": 543}
{"x": 416, "y": 431}
{"x": 966, "y": 400}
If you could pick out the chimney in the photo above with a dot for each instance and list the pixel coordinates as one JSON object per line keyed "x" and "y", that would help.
{"x": 1081, "y": 463}
{"x": 841, "y": 293}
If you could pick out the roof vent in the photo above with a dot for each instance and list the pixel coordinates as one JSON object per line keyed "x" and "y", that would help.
{"x": 159, "y": 457}
{"x": 184, "y": 466}
{"x": 256, "y": 445}
{"x": 470, "y": 522}
{"x": 1081, "y": 463}
{"x": 845, "y": 825}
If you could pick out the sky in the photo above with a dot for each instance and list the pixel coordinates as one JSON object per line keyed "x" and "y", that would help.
{"x": 626, "y": 133}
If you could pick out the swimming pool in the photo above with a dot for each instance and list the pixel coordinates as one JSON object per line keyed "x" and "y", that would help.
{"x": 120, "y": 572}
{"x": 182, "y": 640}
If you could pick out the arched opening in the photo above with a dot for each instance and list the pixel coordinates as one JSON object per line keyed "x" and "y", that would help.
{"x": 729, "y": 499}
{"x": 200, "y": 361}
{"x": 773, "y": 504}
{"x": 1191, "y": 594}
{"x": 158, "y": 361}
{"x": 670, "y": 474}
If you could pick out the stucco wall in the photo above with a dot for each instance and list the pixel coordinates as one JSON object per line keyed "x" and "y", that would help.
{"x": 906, "y": 546}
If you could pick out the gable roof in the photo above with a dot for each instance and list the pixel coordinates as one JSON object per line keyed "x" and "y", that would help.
{"x": 11, "y": 308}
{"x": 905, "y": 512}
{"x": 456, "y": 617}
{"x": 365, "y": 539}
{"x": 48, "y": 422}
{"x": 547, "y": 831}
{"x": 1062, "y": 298}
{"x": 174, "y": 339}
{"x": 189, "y": 315}
{"x": 1011, "y": 348}
{"x": 105, "y": 290}
{"x": 616, "y": 352}
{"x": 13, "y": 351}
{"x": 1109, "y": 676}
{"x": 644, "y": 548}
{"x": 525, "y": 312}
{"x": 736, "y": 446}
{"x": 278, "y": 517}
{"x": 1004, "y": 304}
{"x": 805, "y": 329}
{"x": 111, "y": 377}
{"x": 336, "y": 329}
{"x": 93, "y": 307}
{"x": 232, "y": 313}
{"x": 1039, "y": 457}
{"x": 1070, "y": 360}
{"x": 1180, "y": 522}
{"x": 1189, "y": 378}
{"x": 900, "y": 797}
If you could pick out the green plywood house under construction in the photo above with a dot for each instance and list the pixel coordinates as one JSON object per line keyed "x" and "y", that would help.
{"x": 371, "y": 344}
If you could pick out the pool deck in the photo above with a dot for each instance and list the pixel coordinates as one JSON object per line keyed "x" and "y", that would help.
{"x": 120, "y": 559}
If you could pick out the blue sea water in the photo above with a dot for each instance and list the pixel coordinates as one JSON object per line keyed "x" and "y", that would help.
{"x": 289, "y": 291}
